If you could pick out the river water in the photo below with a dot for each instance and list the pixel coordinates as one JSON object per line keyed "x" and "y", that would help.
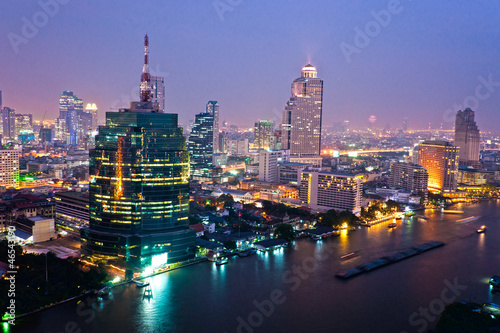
{"x": 295, "y": 289}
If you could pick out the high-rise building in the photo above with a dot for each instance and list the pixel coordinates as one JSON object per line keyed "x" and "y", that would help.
{"x": 158, "y": 90}
{"x": 23, "y": 124}
{"x": 327, "y": 190}
{"x": 45, "y": 134}
{"x": 201, "y": 143}
{"x": 9, "y": 167}
{"x": 440, "y": 159}
{"x": 60, "y": 129}
{"x": 213, "y": 108}
{"x": 91, "y": 109}
{"x": 467, "y": 138}
{"x": 301, "y": 126}
{"x": 268, "y": 166}
{"x": 404, "y": 126}
{"x": 9, "y": 123}
{"x": 139, "y": 187}
{"x": 264, "y": 135}
{"x": 411, "y": 177}
{"x": 71, "y": 109}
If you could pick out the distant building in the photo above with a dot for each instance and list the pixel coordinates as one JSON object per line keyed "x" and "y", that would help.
{"x": 268, "y": 166}
{"x": 200, "y": 144}
{"x": 237, "y": 147}
{"x": 91, "y": 109}
{"x": 71, "y": 109}
{"x": 467, "y": 138}
{"x": 411, "y": 177}
{"x": 264, "y": 135}
{"x": 301, "y": 124}
{"x": 45, "y": 135}
{"x": 158, "y": 91}
{"x": 213, "y": 108}
{"x": 24, "y": 127}
{"x": 327, "y": 190}
{"x": 290, "y": 172}
{"x": 9, "y": 167}
{"x": 440, "y": 159}
{"x": 35, "y": 229}
{"x": 9, "y": 123}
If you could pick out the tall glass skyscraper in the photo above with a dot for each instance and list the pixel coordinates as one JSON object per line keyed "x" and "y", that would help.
{"x": 301, "y": 125}
{"x": 467, "y": 138}
{"x": 213, "y": 108}
{"x": 139, "y": 188}
{"x": 71, "y": 109}
{"x": 264, "y": 134}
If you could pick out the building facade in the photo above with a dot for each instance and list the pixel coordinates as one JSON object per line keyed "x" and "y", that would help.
{"x": 71, "y": 109}
{"x": 301, "y": 123}
{"x": 264, "y": 135}
{"x": 9, "y": 123}
{"x": 158, "y": 91}
{"x": 467, "y": 138}
{"x": 72, "y": 211}
{"x": 9, "y": 168}
{"x": 440, "y": 159}
{"x": 213, "y": 108}
{"x": 411, "y": 177}
{"x": 327, "y": 190}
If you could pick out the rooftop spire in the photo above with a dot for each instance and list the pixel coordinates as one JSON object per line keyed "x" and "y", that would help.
{"x": 146, "y": 79}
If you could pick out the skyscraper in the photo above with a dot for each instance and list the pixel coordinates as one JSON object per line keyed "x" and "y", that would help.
{"x": 301, "y": 125}
{"x": 440, "y": 159}
{"x": 9, "y": 122}
{"x": 158, "y": 90}
{"x": 71, "y": 109}
{"x": 9, "y": 167}
{"x": 213, "y": 108}
{"x": 139, "y": 188}
{"x": 264, "y": 135}
{"x": 201, "y": 142}
{"x": 467, "y": 138}
{"x": 91, "y": 109}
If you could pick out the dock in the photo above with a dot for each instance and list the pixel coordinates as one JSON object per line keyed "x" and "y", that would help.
{"x": 387, "y": 260}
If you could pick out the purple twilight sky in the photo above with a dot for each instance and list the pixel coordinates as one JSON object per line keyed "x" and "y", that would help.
{"x": 421, "y": 59}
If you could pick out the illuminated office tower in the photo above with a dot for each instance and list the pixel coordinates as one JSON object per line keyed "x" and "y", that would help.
{"x": 264, "y": 135}
{"x": 213, "y": 108}
{"x": 440, "y": 159}
{"x": 139, "y": 187}
{"x": 71, "y": 109}
{"x": 91, "y": 109}
{"x": 158, "y": 90}
{"x": 201, "y": 142}
{"x": 301, "y": 125}
{"x": 467, "y": 138}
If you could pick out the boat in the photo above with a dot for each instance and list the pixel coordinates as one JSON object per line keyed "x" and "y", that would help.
{"x": 221, "y": 261}
{"x": 495, "y": 281}
{"x": 481, "y": 230}
{"x": 350, "y": 255}
{"x": 148, "y": 293}
{"x": 141, "y": 284}
{"x": 246, "y": 253}
{"x": 103, "y": 292}
{"x": 393, "y": 224}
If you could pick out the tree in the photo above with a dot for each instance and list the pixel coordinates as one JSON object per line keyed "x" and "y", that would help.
{"x": 284, "y": 231}
{"x": 230, "y": 245}
{"x": 459, "y": 317}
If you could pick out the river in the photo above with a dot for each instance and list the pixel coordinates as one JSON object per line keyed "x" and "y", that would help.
{"x": 295, "y": 289}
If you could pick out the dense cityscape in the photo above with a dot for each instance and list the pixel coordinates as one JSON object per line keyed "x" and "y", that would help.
{"x": 132, "y": 219}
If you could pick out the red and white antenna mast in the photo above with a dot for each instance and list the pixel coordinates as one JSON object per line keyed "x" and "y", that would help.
{"x": 146, "y": 78}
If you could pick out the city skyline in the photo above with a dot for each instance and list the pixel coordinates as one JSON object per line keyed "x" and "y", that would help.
{"x": 377, "y": 79}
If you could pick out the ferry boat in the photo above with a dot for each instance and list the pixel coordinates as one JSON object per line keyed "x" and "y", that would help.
{"x": 350, "y": 255}
{"x": 246, "y": 253}
{"x": 221, "y": 261}
{"x": 393, "y": 224}
{"x": 481, "y": 230}
{"x": 495, "y": 281}
{"x": 141, "y": 284}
